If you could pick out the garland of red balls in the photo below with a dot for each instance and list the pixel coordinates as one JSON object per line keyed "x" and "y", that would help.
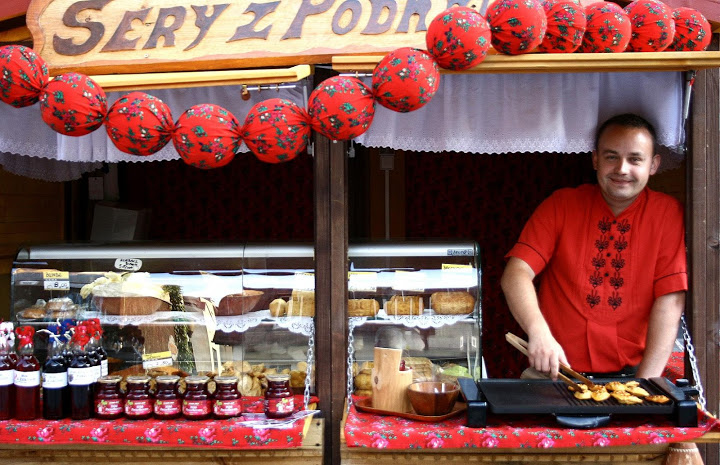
{"x": 342, "y": 107}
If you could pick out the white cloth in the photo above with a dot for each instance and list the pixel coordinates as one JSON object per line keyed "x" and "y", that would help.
{"x": 474, "y": 113}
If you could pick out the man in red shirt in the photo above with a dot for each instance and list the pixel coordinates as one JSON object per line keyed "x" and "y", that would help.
{"x": 612, "y": 264}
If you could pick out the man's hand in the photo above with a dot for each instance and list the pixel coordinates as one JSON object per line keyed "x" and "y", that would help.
{"x": 545, "y": 352}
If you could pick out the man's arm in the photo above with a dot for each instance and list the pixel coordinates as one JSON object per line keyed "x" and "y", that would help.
{"x": 517, "y": 284}
{"x": 662, "y": 331}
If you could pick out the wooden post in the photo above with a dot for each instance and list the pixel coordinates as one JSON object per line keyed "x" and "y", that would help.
{"x": 703, "y": 226}
{"x": 331, "y": 243}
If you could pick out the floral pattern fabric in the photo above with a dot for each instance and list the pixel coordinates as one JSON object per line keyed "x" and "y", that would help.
{"x": 207, "y": 136}
{"x": 652, "y": 26}
{"x": 565, "y": 28}
{"x": 73, "y": 104}
{"x": 139, "y": 124}
{"x": 608, "y": 29}
{"x": 341, "y": 108}
{"x": 405, "y": 80}
{"x": 276, "y": 130}
{"x": 24, "y": 75}
{"x": 692, "y": 30}
{"x": 505, "y": 431}
{"x": 518, "y": 26}
{"x": 458, "y": 38}
{"x": 214, "y": 434}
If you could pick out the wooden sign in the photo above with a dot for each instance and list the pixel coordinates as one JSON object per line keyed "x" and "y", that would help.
{"x": 112, "y": 36}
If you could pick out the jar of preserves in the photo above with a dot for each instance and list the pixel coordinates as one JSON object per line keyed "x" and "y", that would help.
{"x": 279, "y": 402}
{"x": 196, "y": 402}
{"x": 167, "y": 399}
{"x": 227, "y": 403}
{"x": 109, "y": 401}
{"x": 138, "y": 403}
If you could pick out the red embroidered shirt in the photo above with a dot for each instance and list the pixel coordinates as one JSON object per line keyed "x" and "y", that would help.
{"x": 601, "y": 273}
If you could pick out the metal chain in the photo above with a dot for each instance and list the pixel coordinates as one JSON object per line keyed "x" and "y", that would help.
{"x": 350, "y": 361}
{"x": 690, "y": 348}
{"x": 309, "y": 369}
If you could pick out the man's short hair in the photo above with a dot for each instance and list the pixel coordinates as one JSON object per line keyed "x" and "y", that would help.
{"x": 628, "y": 120}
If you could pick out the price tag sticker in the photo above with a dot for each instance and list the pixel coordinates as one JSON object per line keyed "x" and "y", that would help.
{"x": 409, "y": 281}
{"x": 304, "y": 281}
{"x": 56, "y": 280}
{"x": 157, "y": 359}
{"x": 128, "y": 264}
{"x": 362, "y": 281}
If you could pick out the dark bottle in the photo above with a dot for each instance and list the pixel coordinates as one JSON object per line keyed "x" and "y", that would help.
{"x": 91, "y": 349}
{"x": 98, "y": 344}
{"x": 196, "y": 402}
{"x": 168, "y": 404}
{"x": 109, "y": 401}
{"x": 7, "y": 372}
{"x": 227, "y": 401}
{"x": 80, "y": 377}
{"x": 279, "y": 402}
{"x": 138, "y": 403}
{"x": 55, "y": 390}
{"x": 27, "y": 376}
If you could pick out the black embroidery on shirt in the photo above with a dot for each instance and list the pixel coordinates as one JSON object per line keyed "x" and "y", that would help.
{"x": 602, "y": 244}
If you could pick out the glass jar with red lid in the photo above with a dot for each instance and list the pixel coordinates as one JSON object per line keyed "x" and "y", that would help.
{"x": 196, "y": 402}
{"x": 279, "y": 402}
{"x": 168, "y": 404}
{"x": 227, "y": 400}
{"x": 109, "y": 401}
{"x": 138, "y": 403}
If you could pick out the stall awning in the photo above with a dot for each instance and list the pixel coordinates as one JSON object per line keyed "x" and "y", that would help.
{"x": 475, "y": 113}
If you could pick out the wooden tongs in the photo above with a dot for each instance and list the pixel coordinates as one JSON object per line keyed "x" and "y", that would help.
{"x": 522, "y": 345}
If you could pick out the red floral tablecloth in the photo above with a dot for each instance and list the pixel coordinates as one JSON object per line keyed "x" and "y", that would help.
{"x": 504, "y": 431}
{"x": 217, "y": 434}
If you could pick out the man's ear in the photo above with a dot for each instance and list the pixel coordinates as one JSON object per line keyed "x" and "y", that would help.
{"x": 594, "y": 157}
{"x": 655, "y": 163}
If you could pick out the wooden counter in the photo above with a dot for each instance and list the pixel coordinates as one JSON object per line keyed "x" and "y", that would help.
{"x": 311, "y": 452}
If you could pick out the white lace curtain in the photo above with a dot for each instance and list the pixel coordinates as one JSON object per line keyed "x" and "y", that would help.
{"x": 493, "y": 113}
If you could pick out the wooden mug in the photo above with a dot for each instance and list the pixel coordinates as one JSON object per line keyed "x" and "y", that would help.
{"x": 683, "y": 453}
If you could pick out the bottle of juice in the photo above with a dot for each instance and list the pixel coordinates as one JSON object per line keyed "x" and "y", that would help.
{"x": 55, "y": 389}
{"x": 7, "y": 371}
{"x": 27, "y": 376}
{"x": 81, "y": 376}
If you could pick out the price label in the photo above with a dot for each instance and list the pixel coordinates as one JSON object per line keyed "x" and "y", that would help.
{"x": 452, "y": 266}
{"x": 53, "y": 280}
{"x": 157, "y": 359}
{"x": 304, "y": 281}
{"x": 362, "y": 281}
{"x": 128, "y": 264}
{"x": 409, "y": 281}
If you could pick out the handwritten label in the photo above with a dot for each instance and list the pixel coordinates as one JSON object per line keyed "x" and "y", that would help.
{"x": 56, "y": 280}
{"x": 362, "y": 281}
{"x": 128, "y": 264}
{"x": 304, "y": 281}
{"x": 409, "y": 281}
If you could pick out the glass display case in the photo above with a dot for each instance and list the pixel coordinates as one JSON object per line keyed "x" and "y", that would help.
{"x": 242, "y": 309}
{"x": 423, "y": 298}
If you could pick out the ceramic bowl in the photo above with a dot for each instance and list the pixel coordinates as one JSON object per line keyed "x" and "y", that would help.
{"x": 433, "y": 398}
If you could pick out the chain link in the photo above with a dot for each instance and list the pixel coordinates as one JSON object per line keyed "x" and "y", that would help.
{"x": 690, "y": 348}
{"x": 309, "y": 369}
{"x": 350, "y": 362}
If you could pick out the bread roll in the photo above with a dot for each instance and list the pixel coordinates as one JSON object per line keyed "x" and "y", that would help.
{"x": 363, "y": 381}
{"x": 452, "y": 303}
{"x": 302, "y": 303}
{"x": 278, "y": 307}
{"x": 363, "y": 307}
{"x": 404, "y": 305}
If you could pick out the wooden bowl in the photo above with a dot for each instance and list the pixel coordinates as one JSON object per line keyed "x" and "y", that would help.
{"x": 433, "y": 398}
{"x": 238, "y": 304}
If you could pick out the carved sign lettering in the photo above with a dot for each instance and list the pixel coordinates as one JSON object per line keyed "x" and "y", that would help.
{"x": 102, "y": 36}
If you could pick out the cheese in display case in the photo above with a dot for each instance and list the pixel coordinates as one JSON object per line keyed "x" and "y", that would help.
{"x": 422, "y": 298}
{"x": 178, "y": 309}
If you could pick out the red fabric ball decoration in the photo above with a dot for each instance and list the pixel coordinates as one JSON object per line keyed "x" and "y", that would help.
{"x": 73, "y": 104}
{"x": 139, "y": 124}
{"x": 608, "y": 29}
{"x": 518, "y": 26}
{"x": 653, "y": 27}
{"x": 458, "y": 38}
{"x": 24, "y": 74}
{"x": 276, "y": 130}
{"x": 206, "y": 136}
{"x": 565, "y": 29}
{"x": 341, "y": 108}
{"x": 549, "y": 4}
{"x": 692, "y": 30}
{"x": 405, "y": 79}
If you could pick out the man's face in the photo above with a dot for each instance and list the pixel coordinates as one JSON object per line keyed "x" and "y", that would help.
{"x": 624, "y": 161}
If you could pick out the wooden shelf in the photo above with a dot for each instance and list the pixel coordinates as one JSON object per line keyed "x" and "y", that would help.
{"x": 145, "y": 81}
{"x": 562, "y": 62}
